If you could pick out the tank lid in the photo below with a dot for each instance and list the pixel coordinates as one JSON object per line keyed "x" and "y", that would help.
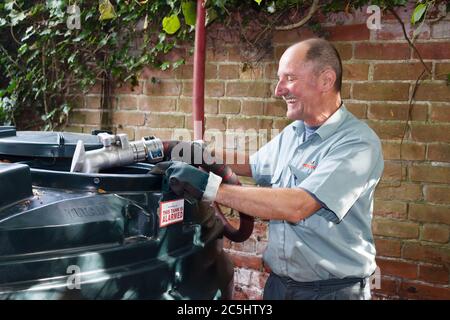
{"x": 43, "y": 144}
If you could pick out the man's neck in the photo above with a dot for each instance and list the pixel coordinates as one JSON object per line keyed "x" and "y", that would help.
{"x": 328, "y": 109}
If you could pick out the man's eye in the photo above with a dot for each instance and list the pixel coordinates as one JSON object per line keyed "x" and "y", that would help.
{"x": 290, "y": 78}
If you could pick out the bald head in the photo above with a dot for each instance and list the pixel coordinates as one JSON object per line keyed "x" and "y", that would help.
{"x": 321, "y": 53}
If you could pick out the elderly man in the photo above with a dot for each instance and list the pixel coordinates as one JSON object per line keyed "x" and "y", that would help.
{"x": 318, "y": 178}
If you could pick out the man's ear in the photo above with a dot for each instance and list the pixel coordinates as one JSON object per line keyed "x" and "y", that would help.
{"x": 327, "y": 79}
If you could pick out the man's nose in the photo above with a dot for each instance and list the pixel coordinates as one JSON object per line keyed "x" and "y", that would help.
{"x": 280, "y": 89}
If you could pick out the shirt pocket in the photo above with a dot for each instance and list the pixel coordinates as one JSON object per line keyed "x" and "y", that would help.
{"x": 299, "y": 174}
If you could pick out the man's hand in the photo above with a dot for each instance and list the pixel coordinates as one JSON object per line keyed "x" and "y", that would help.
{"x": 183, "y": 178}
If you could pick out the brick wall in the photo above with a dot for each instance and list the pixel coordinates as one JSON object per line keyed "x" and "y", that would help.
{"x": 412, "y": 207}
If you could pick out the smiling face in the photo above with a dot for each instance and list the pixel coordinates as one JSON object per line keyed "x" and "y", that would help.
{"x": 298, "y": 84}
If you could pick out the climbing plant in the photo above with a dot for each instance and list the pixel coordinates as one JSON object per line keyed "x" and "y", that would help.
{"x": 52, "y": 50}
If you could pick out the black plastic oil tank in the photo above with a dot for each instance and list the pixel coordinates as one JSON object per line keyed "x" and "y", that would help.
{"x": 111, "y": 235}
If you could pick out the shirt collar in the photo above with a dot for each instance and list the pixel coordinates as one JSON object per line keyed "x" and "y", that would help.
{"x": 328, "y": 127}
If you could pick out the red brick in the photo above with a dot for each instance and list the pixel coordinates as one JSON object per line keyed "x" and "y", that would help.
{"x": 148, "y": 73}
{"x": 382, "y": 51}
{"x": 388, "y": 130}
{"x": 345, "y": 50}
{"x": 405, "y": 151}
{"x": 252, "y": 108}
{"x": 430, "y": 213}
{"x": 403, "y": 191}
{"x": 399, "y": 71}
{"x": 434, "y": 274}
{"x": 214, "y": 89}
{"x": 281, "y": 123}
{"x": 394, "y": 31}
{"x": 393, "y": 171}
{"x": 163, "y": 88}
{"x": 397, "y": 268}
{"x": 431, "y": 133}
{"x": 433, "y": 92}
{"x": 248, "y": 246}
{"x": 435, "y": 233}
{"x": 355, "y": 71}
{"x": 391, "y": 209}
{"x": 251, "y": 72}
{"x": 218, "y": 123}
{"x": 345, "y": 90}
{"x": 156, "y": 104}
{"x": 85, "y": 117}
{"x": 260, "y": 230}
{"x": 433, "y": 50}
{"x": 229, "y": 71}
{"x": 427, "y": 253}
{"x": 216, "y": 55}
{"x": 416, "y": 290}
{"x": 292, "y": 36}
{"x": 129, "y": 118}
{"x": 163, "y": 134}
{"x": 426, "y": 173}
{"x": 440, "y": 112}
{"x": 92, "y": 102}
{"x": 275, "y": 108}
{"x": 385, "y": 111}
{"x": 186, "y": 71}
{"x": 395, "y": 228}
{"x": 230, "y": 106}
{"x": 381, "y": 91}
{"x": 388, "y": 287}
{"x": 127, "y": 102}
{"x": 437, "y": 194}
{"x": 243, "y": 123}
{"x": 440, "y": 29}
{"x": 388, "y": 247}
{"x": 278, "y": 52}
{"x": 439, "y": 152}
{"x": 246, "y": 261}
{"x": 211, "y": 105}
{"x": 359, "y": 110}
{"x": 353, "y": 32}
{"x": 248, "y": 89}
{"x": 166, "y": 121}
{"x": 441, "y": 70}
{"x": 127, "y": 88}
{"x": 271, "y": 71}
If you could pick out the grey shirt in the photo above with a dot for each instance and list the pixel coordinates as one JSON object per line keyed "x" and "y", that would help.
{"x": 340, "y": 164}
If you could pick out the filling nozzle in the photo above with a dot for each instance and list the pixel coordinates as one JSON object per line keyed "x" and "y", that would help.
{"x": 116, "y": 151}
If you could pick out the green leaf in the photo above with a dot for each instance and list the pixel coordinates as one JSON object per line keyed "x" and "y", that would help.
{"x": 189, "y": 12}
{"x": 177, "y": 63}
{"x": 165, "y": 65}
{"x": 106, "y": 9}
{"x": 171, "y": 24}
{"x": 258, "y": 2}
{"x": 418, "y": 12}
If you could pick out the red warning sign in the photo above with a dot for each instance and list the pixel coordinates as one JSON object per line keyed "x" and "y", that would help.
{"x": 171, "y": 212}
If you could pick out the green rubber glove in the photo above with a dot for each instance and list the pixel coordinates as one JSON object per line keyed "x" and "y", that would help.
{"x": 183, "y": 178}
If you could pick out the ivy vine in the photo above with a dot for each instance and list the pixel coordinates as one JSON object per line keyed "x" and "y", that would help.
{"x": 53, "y": 50}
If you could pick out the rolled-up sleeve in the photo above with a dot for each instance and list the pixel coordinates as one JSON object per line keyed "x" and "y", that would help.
{"x": 263, "y": 162}
{"x": 344, "y": 174}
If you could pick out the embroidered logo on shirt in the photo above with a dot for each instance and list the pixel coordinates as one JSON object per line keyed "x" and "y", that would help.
{"x": 312, "y": 165}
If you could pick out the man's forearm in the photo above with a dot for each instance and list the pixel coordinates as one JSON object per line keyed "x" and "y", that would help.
{"x": 291, "y": 205}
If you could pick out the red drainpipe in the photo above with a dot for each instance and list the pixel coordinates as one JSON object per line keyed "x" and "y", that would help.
{"x": 198, "y": 95}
